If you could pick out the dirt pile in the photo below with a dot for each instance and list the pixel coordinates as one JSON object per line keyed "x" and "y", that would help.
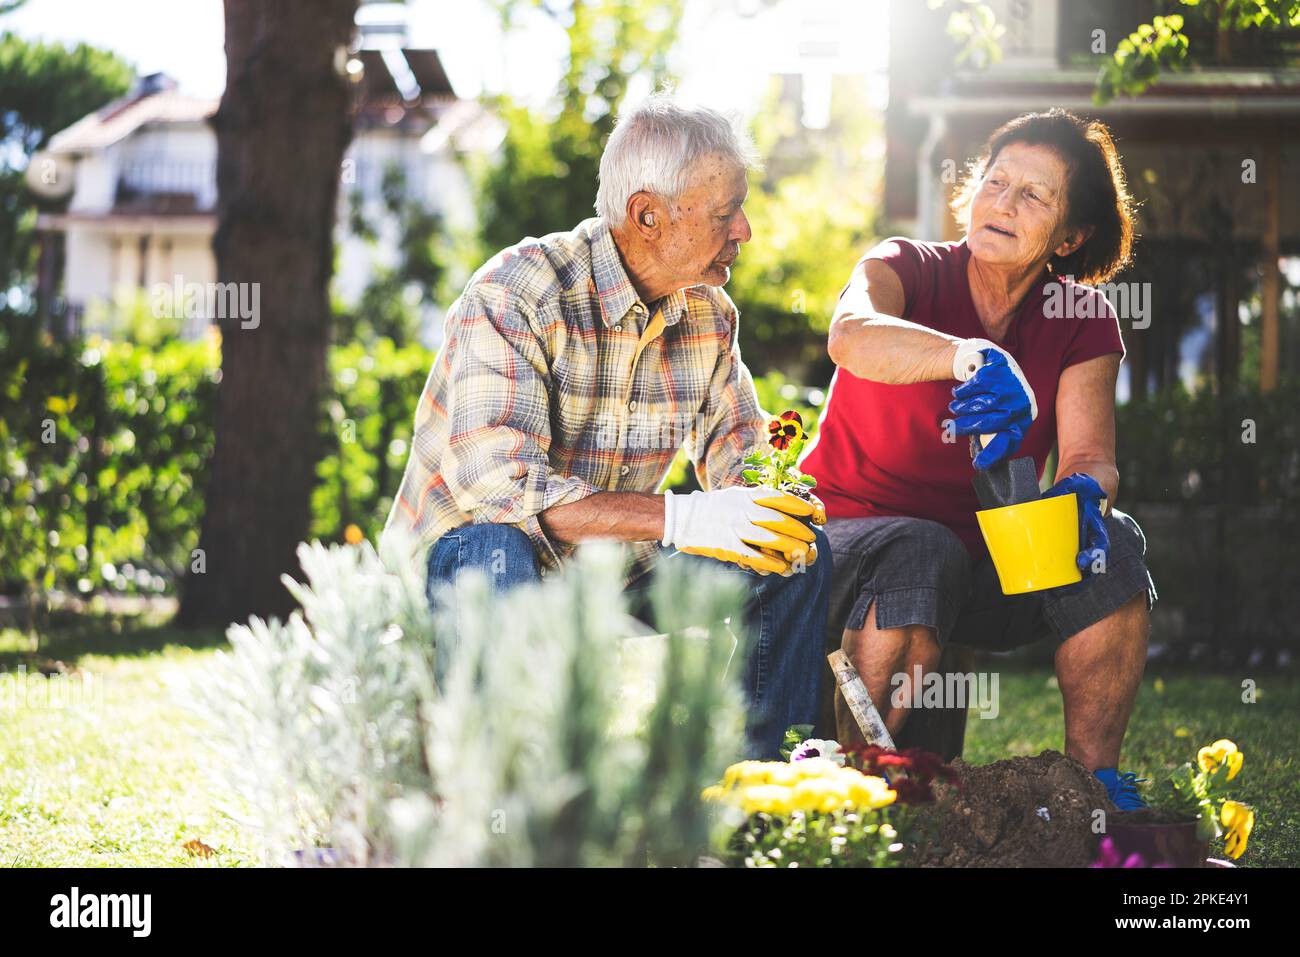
{"x": 1022, "y": 812}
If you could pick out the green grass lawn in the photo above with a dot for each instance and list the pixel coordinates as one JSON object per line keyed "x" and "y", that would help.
{"x": 106, "y": 767}
{"x": 1175, "y": 715}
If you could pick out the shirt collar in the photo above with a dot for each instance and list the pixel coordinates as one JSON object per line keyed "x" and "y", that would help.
{"x": 614, "y": 289}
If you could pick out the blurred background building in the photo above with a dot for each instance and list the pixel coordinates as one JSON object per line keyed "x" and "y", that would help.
{"x": 139, "y": 176}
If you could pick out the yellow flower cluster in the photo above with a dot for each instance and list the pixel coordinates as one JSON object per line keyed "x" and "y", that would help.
{"x": 810, "y": 785}
{"x": 1222, "y": 751}
{"x": 1237, "y": 819}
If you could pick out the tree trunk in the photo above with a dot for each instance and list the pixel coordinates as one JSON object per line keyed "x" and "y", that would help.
{"x": 282, "y": 127}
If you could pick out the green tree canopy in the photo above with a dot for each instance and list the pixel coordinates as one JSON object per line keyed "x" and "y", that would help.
{"x": 546, "y": 177}
{"x": 44, "y": 87}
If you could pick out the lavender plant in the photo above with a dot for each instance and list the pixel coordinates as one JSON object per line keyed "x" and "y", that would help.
{"x": 498, "y": 731}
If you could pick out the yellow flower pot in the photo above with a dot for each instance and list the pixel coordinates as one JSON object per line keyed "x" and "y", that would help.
{"x": 1033, "y": 545}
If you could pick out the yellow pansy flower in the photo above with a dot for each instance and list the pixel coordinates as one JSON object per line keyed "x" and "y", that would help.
{"x": 1222, "y": 751}
{"x": 1239, "y": 819}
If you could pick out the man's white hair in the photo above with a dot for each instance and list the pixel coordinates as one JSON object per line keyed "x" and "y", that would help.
{"x": 655, "y": 144}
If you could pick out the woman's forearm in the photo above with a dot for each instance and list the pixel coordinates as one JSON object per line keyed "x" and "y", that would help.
{"x": 869, "y": 340}
{"x": 1106, "y": 474}
{"x": 888, "y": 349}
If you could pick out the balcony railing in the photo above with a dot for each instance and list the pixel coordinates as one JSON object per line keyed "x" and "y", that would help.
{"x": 167, "y": 186}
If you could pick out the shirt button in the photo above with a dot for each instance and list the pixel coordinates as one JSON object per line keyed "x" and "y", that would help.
{"x": 631, "y": 406}
{"x": 619, "y": 327}
{"x": 624, "y": 470}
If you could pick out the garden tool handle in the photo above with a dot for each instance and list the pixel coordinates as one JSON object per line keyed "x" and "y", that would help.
{"x": 977, "y": 443}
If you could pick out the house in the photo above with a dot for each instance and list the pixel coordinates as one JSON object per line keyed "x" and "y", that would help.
{"x": 1212, "y": 154}
{"x": 140, "y": 178}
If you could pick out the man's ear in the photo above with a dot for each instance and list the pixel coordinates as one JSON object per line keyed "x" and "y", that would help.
{"x": 645, "y": 215}
{"x": 1073, "y": 240}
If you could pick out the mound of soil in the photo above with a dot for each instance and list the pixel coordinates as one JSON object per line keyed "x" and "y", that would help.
{"x": 1021, "y": 812}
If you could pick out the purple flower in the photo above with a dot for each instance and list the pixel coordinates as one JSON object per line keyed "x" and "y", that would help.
{"x": 1110, "y": 857}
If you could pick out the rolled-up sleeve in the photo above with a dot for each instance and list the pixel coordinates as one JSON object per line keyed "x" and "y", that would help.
{"x": 731, "y": 423}
{"x": 499, "y": 408}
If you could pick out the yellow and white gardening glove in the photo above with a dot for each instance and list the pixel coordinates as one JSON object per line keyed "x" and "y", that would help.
{"x": 812, "y": 509}
{"x": 750, "y": 527}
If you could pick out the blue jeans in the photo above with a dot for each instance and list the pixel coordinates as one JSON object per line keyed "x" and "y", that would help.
{"x": 785, "y": 619}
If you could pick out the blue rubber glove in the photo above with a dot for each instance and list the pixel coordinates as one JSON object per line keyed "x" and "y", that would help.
{"x": 1091, "y": 518}
{"x": 995, "y": 399}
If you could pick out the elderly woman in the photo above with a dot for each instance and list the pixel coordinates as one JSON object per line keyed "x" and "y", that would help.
{"x": 1045, "y": 204}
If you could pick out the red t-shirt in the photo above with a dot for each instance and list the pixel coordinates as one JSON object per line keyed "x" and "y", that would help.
{"x": 880, "y": 448}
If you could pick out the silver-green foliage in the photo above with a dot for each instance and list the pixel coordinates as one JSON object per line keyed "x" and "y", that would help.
{"x": 515, "y": 730}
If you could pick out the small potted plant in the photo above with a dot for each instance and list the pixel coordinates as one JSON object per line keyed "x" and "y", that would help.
{"x": 1192, "y": 810}
{"x": 775, "y": 467}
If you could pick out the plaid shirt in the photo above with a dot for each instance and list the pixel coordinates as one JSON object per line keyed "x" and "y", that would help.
{"x": 555, "y": 382}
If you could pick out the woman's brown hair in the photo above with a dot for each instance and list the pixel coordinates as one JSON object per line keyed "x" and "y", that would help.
{"x": 1097, "y": 194}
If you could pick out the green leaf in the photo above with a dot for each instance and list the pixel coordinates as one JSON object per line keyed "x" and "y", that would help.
{"x": 795, "y": 735}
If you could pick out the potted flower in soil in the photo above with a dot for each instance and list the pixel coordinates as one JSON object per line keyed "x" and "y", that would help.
{"x": 1193, "y": 809}
{"x": 775, "y": 467}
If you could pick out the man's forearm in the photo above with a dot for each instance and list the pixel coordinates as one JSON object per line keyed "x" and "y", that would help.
{"x": 623, "y": 516}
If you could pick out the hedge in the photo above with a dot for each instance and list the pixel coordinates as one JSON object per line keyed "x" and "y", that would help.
{"x": 105, "y": 449}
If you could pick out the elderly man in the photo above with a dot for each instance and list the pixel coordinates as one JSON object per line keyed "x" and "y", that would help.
{"x": 574, "y": 368}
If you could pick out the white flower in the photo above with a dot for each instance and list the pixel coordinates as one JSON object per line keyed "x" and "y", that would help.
{"x": 819, "y": 748}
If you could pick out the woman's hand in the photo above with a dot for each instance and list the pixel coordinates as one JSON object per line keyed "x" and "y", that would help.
{"x": 994, "y": 398}
{"x": 1092, "y": 515}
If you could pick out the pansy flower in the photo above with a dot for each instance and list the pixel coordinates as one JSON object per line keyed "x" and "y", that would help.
{"x": 1222, "y": 751}
{"x": 785, "y": 430}
{"x": 1239, "y": 820}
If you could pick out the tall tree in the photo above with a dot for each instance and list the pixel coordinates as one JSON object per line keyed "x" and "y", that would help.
{"x": 546, "y": 178}
{"x": 282, "y": 127}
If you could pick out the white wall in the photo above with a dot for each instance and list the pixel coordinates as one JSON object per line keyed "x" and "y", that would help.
{"x": 104, "y": 259}
{"x": 103, "y": 256}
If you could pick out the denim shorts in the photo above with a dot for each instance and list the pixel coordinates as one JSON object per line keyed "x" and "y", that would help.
{"x": 918, "y": 572}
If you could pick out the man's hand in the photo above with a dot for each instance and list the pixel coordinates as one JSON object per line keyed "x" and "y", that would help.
{"x": 1092, "y": 512}
{"x": 811, "y": 510}
{"x": 994, "y": 398}
{"x": 749, "y": 527}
